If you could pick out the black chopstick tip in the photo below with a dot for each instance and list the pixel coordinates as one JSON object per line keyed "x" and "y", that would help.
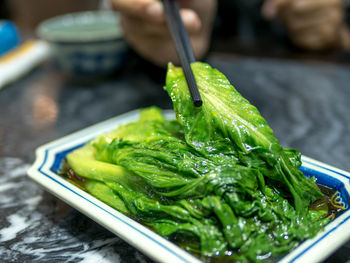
{"x": 183, "y": 46}
{"x": 198, "y": 103}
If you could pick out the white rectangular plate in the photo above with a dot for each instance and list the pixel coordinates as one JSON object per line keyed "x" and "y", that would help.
{"x": 48, "y": 162}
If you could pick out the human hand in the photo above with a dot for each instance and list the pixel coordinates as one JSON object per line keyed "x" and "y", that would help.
{"x": 146, "y": 31}
{"x": 311, "y": 24}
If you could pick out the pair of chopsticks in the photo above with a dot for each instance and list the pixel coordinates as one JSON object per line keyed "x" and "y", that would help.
{"x": 183, "y": 46}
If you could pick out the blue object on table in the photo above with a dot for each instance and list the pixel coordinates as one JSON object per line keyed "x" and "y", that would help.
{"x": 9, "y": 37}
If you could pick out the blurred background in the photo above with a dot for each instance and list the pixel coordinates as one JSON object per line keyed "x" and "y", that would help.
{"x": 28, "y": 14}
{"x": 57, "y": 78}
{"x": 239, "y": 27}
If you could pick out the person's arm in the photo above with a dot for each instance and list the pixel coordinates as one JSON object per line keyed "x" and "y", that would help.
{"x": 311, "y": 24}
{"x": 28, "y": 14}
{"x": 146, "y": 31}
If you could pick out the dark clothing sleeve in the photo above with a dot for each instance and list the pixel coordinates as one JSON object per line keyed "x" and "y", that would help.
{"x": 4, "y": 11}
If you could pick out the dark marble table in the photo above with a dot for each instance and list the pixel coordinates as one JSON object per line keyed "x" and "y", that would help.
{"x": 307, "y": 104}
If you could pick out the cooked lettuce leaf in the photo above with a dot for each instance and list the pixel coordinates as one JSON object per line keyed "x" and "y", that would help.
{"x": 215, "y": 180}
{"x": 228, "y": 123}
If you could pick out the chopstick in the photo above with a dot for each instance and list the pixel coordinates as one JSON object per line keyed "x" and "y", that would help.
{"x": 183, "y": 46}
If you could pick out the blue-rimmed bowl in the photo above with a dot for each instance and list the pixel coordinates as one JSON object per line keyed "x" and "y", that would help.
{"x": 48, "y": 163}
{"x": 85, "y": 44}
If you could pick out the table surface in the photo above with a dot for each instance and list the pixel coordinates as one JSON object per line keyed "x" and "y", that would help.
{"x": 306, "y": 104}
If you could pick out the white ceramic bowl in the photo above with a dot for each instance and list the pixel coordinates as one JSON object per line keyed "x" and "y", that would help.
{"x": 87, "y": 43}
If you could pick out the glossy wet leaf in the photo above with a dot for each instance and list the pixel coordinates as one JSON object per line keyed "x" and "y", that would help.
{"x": 215, "y": 180}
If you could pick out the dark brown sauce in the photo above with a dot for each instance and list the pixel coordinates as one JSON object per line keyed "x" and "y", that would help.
{"x": 70, "y": 175}
{"x": 327, "y": 202}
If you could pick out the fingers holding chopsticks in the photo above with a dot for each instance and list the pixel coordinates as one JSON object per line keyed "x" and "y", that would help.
{"x": 145, "y": 27}
{"x": 152, "y": 11}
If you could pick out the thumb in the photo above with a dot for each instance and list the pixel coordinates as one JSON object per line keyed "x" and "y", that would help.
{"x": 271, "y": 8}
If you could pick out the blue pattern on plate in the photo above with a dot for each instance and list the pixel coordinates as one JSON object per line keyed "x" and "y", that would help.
{"x": 58, "y": 159}
{"x": 50, "y": 157}
{"x": 322, "y": 179}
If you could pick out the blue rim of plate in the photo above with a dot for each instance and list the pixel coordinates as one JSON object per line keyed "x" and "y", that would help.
{"x": 325, "y": 174}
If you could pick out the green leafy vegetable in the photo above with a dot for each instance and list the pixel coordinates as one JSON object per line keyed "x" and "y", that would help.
{"x": 215, "y": 180}
{"x": 228, "y": 123}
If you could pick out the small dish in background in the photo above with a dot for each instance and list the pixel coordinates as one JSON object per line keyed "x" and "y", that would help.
{"x": 85, "y": 44}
